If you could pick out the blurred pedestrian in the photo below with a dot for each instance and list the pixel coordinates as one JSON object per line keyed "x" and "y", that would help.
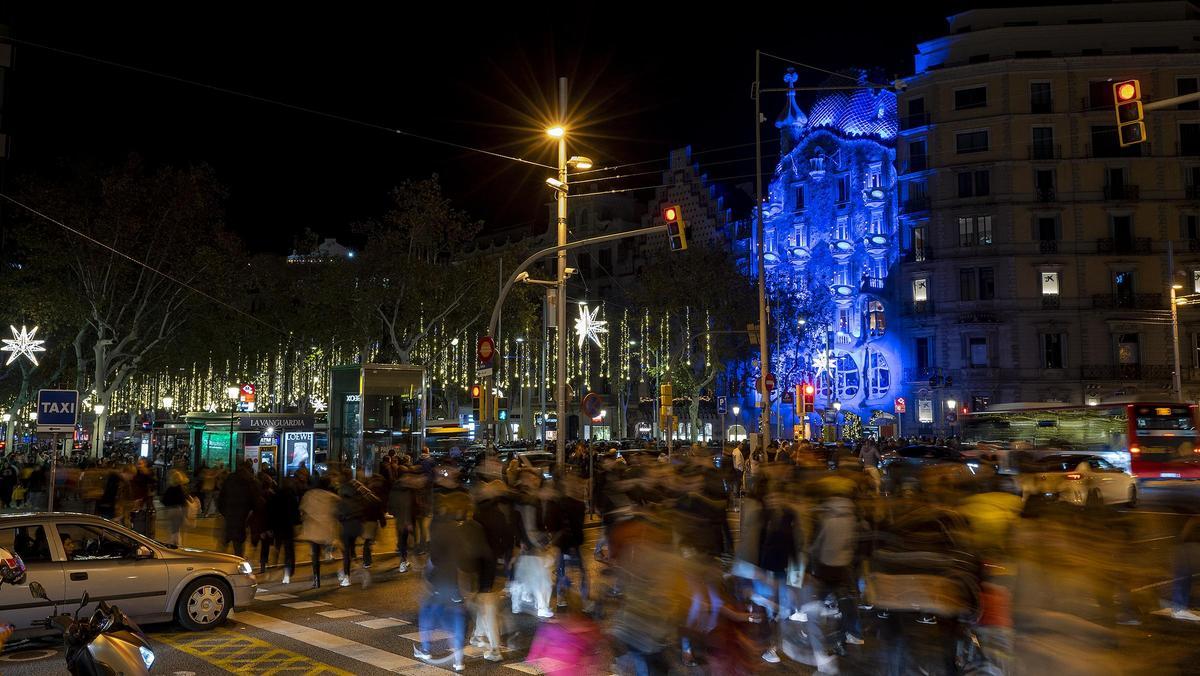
{"x": 402, "y": 503}
{"x": 283, "y": 515}
{"x": 174, "y": 501}
{"x": 8, "y": 481}
{"x": 457, "y": 544}
{"x": 259, "y": 522}
{"x": 319, "y": 522}
{"x": 238, "y": 498}
{"x": 1187, "y": 564}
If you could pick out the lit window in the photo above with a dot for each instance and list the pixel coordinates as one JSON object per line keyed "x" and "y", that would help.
{"x": 879, "y": 377}
{"x": 876, "y": 223}
{"x": 1196, "y": 280}
{"x": 1050, "y": 283}
{"x": 875, "y": 318}
{"x": 843, "y": 228}
{"x": 920, "y": 290}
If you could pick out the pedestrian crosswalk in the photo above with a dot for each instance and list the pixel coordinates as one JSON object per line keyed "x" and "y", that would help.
{"x": 399, "y": 660}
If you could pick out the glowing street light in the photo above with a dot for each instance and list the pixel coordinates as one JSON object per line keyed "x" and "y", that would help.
{"x": 556, "y": 131}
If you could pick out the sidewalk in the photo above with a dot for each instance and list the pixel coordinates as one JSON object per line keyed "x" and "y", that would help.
{"x": 209, "y": 530}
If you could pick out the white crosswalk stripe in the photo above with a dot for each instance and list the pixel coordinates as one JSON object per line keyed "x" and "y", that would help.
{"x": 345, "y": 647}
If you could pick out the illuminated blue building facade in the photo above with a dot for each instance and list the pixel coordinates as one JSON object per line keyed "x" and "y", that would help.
{"x": 831, "y": 236}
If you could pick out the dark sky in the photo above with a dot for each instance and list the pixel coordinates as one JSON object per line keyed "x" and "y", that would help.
{"x": 645, "y": 80}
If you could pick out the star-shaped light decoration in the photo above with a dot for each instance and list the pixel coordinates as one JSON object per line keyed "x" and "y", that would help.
{"x": 318, "y": 405}
{"x": 587, "y": 326}
{"x": 22, "y": 343}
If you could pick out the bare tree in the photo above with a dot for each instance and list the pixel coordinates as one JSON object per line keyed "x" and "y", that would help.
{"x": 159, "y": 232}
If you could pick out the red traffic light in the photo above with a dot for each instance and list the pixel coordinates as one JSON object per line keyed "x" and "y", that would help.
{"x": 671, "y": 214}
{"x": 808, "y": 389}
{"x": 1127, "y": 91}
{"x": 475, "y": 391}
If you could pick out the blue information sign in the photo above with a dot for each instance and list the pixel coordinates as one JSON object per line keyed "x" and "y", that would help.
{"x": 57, "y": 410}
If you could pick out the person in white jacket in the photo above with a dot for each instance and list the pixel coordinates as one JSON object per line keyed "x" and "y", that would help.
{"x": 318, "y": 523}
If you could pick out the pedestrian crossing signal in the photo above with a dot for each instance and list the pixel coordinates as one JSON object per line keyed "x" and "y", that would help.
{"x": 1127, "y": 100}
{"x": 676, "y": 228}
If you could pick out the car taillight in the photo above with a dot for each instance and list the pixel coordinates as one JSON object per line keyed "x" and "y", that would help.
{"x": 1074, "y": 476}
{"x": 1135, "y": 450}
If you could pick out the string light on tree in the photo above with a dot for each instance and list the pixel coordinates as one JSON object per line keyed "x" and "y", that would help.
{"x": 22, "y": 343}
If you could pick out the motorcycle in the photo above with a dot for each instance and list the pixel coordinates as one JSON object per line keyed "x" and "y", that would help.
{"x": 108, "y": 642}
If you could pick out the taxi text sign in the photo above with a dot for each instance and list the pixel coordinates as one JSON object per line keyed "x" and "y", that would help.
{"x": 57, "y": 410}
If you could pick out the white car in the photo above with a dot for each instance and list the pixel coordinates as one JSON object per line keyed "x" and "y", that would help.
{"x": 1079, "y": 480}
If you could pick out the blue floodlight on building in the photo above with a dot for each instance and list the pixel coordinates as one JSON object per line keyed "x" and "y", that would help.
{"x": 831, "y": 233}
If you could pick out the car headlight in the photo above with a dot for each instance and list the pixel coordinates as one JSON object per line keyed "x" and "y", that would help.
{"x": 245, "y": 568}
{"x": 147, "y": 656}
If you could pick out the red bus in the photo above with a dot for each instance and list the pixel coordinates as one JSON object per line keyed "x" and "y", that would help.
{"x": 1152, "y": 440}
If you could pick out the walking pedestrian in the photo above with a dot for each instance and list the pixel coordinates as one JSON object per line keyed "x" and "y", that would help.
{"x": 238, "y": 498}
{"x": 1187, "y": 563}
{"x": 351, "y": 513}
{"x": 283, "y": 515}
{"x": 319, "y": 522}
{"x": 8, "y": 481}
{"x": 174, "y": 501}
{"x": 568, "y": 538}
{"x": 260, "y": 527}
{"x": 456, "y": 544}
{"x": 402, "y": 499}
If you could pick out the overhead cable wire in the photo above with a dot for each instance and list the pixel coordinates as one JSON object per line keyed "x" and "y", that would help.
{"x": 809, "y": 66}
{"x": 135, "y": 261}
{"x": 275, "y": 102}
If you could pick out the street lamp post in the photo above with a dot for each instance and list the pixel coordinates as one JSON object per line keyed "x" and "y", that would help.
{"x": 98, "y": 409}
{"x": 560, "y": 306}
{"x": 737, "y": 416}
{"x": 232, "y": 393}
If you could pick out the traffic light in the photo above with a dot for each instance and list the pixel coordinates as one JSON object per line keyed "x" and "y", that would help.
{"x": 501, "y": 408}
{"x": 809, "y": 398}
{"x": 1127, "y": 100}
{"x": 666, "y": 405}
{"x": 476, "y": 392}
{"x": 676, "y": 228}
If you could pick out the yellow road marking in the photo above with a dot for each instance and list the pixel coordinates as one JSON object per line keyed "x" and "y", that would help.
{"x": 241, "y": 654}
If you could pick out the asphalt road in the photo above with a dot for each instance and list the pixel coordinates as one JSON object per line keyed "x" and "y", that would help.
{"x": 373, "y": 629}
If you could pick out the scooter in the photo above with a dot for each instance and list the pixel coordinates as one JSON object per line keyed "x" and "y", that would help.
{"x": 108, "y": 642}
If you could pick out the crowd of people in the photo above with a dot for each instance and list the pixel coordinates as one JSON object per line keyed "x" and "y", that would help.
{"x": 728, "y": 559}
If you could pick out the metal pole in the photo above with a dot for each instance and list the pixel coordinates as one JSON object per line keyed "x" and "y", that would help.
{"x": 1177, "y": 380}
{"x": 545, "y": 356}
{"x": 560, "y": 307}
{"x": 764, "y": 425}
{"x": 53, "y": 473}
{"x": 232, "y": 415}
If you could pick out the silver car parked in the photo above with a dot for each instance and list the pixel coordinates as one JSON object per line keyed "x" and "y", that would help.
{"x": 150, "y": 581}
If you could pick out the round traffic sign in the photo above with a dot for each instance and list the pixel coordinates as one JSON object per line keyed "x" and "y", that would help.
{"x": 486, "y": 348}
{"x": 770, "y": 382}
{"x": 591, "y": 405}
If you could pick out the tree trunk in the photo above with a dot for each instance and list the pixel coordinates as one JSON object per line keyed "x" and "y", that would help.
{"x": 694, "y": 416}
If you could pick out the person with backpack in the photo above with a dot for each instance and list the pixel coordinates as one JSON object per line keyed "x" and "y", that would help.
{"x": 355, "y": 508}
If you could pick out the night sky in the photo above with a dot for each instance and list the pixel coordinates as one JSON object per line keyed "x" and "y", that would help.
{"x": 645, "y": 81}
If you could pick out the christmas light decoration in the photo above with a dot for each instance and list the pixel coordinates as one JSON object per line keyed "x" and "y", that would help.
{"x": 22, "y": 343}
{"x": 587, "y": 326}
